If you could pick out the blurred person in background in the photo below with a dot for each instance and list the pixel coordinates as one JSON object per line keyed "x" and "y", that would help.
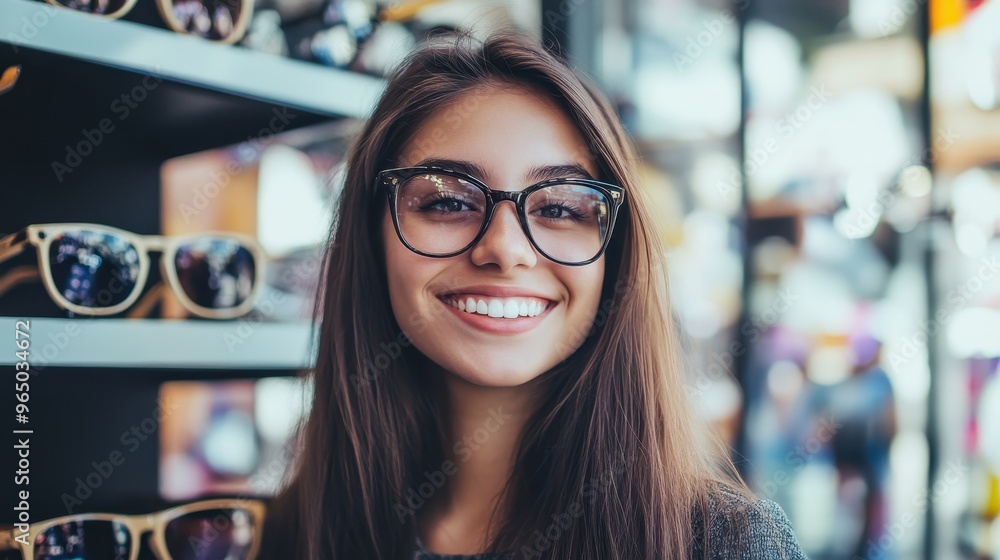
{"x": 864, "y": 413}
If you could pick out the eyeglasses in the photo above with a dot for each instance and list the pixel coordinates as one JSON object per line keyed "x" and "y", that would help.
{"x": 226, "y": 529}
{"x": 93, "y": 269}
{"x": 224, "y": 21}
{"x": 443, "y": 213}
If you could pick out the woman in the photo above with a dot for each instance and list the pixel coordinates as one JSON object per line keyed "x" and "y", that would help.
{"x": 498, "y": 371}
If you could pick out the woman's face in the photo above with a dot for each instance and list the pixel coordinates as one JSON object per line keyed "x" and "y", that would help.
{"x": 511, "y": 137}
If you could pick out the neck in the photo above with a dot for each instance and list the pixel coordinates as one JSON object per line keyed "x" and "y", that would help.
{"x": 484, "y": 428}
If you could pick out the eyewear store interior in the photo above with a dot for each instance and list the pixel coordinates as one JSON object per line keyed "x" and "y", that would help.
{"x": 840, "y": 297}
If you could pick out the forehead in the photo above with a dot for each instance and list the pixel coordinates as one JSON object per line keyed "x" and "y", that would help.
{"x": 506, "y": 132}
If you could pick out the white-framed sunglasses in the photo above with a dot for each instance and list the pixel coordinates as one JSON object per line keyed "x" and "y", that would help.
{"x": 220, "y": 529}
{"x": 93, "y": 269}
{"x": 224, "y": 21}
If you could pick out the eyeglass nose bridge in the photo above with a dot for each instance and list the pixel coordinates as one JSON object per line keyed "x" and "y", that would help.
{"x": 517, "y": 199}
{"x": 499, "y": 196}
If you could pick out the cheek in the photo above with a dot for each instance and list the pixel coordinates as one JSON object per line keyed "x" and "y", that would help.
{"x": 585, "y": 287}
{"x": 407, "y": 276}
{"x": 395, "y": 265}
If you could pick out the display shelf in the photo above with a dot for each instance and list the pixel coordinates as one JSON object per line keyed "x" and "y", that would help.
{"x": 151, "y": 343}
{"x": 186, "y": 59}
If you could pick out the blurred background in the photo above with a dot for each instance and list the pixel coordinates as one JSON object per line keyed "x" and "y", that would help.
{"x": 827, "y": 180}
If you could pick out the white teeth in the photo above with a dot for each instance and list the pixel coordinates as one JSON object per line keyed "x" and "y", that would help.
{"x": 507, "y": 308}
{"x": 510, "y": 309}
{"x": 496, "y": 308}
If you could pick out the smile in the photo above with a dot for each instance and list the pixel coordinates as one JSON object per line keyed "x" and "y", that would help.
{"x": 507, "y": 308}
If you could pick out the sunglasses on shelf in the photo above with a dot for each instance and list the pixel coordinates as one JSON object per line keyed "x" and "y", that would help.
{"x": 222, "y": 529}
{"x": 224, "y": 21}
{"x": 92, "y": 269}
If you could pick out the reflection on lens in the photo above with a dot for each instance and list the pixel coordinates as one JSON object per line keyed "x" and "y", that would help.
{"x": 215, "y": 272}
{"x": 211, "y": 19}
{"x": 439, "y": 214}
{"x": 223, "y": 22}
{"x": 84, "y": 540}
{"x": 569, "y": 222}
{"x": 93, "y": 268}
{"x": 102, "y": 7}
{"x": 218, "y": 534}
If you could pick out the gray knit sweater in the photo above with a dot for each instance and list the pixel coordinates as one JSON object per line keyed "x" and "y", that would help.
{"x": 768, "y": 535}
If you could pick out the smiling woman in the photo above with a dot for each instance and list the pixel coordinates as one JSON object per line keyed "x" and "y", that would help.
{"x": 491, "y": 235}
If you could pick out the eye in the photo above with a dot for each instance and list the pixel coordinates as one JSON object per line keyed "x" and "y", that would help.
{"x": 446, "y": 204}
{"x": 559, "y": 211}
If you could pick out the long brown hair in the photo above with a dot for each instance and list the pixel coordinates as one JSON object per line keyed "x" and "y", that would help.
{"x": 613, "y": 465}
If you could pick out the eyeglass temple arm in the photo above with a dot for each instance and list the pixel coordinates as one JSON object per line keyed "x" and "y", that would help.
{"x": 11, "y": 245}
{"x": 7, "y": 539}
{"x": 17, "y": 276}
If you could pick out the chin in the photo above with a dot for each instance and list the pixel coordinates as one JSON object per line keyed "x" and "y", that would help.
{"x": 476, "y": 374}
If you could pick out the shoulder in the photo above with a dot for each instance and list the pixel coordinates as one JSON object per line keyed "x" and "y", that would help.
{"x": 745, "y": 527}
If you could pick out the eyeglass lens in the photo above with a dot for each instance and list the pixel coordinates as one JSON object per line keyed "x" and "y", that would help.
{"x": 211, "y": 19}
{"x": 93, "y": 268}
{"x": 215, "y": 272}
{"x": 84, "y": 540}
{"x": 217, "y": 534}
{"x": 440, "y": 214}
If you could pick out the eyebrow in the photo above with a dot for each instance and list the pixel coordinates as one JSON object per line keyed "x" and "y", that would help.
{"x": 537, "y": 173}
{"x": 574, "y": 170}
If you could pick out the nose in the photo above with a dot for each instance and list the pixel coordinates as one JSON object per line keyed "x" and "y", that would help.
{"x": 504, "y": 243}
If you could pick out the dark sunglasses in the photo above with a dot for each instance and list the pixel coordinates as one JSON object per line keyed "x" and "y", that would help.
{"x": 225, "y": 529}
{"x": 93, "y": 269}
{"x": 443, "y": 213}
{"x": 224, "y": 21}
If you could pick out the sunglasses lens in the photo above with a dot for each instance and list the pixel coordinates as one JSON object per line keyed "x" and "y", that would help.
{"x": 102, "y": 7}
{"x": 215, "y": 272}
{"x": 84, "y": 540}
{"x": 211, "y": 19}
{"x": 93, "y": 269}
{"x": 217, "y": 534}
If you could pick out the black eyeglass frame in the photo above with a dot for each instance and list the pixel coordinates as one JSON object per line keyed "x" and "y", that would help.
{"x": 389, "y": 181}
